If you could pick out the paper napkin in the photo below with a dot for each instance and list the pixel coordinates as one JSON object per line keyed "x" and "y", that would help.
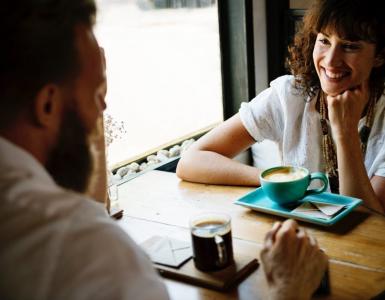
{"x": 318, "y": 209}
{"x": 167, "y": 251}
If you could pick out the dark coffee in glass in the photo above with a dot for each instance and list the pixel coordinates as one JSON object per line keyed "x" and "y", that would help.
{"x": 211, "y": 241}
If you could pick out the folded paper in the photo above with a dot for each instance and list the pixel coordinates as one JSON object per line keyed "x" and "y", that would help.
{"x": 318, "y": 209}
{"x": 167, "y": 251}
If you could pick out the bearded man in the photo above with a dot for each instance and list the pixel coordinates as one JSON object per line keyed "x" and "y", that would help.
{"x": 56, "y": 243}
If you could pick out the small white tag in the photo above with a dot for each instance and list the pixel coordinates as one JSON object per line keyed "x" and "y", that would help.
{"x": 327, "y": 208}
{"x": 318, "y": 210}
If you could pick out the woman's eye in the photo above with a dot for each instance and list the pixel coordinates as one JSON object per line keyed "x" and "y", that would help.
{"x": 323, "y": 41}
{"x": 351, "y": 46}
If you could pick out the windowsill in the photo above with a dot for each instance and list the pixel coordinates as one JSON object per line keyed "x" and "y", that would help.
{"x": 165, "y": 165}
{"x": 141, "y": 157}
{"x": 160, "y": 167}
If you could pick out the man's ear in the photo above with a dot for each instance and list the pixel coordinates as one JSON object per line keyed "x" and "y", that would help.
{"x": 48, "y": 105}
{"x": 380, "y": 59}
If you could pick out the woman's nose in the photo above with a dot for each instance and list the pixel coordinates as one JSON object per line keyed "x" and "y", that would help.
{"x": 333, "y": 57}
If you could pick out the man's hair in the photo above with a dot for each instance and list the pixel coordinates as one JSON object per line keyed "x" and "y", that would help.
{"x": 350, "y": 19}
{"x": 38, "y": 47}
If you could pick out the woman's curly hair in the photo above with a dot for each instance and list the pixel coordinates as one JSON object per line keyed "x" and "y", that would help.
{"x": 352, "y": 20}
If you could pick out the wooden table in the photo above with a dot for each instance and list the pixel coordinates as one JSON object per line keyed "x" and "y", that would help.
{"x": 159, "y": 203}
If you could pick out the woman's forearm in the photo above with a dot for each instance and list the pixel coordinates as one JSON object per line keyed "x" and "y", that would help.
{"x": 210, "y": 159}
{"x": 213, "y": 168}
{"x": 353, "y": 177}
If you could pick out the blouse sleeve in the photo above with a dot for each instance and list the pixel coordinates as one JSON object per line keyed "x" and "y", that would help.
{"x": 263, "y": 116}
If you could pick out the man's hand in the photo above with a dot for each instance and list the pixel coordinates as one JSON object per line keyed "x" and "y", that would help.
{"x": 98, "y": 183}
{"x": 97, "y": 188}
{"x": 292, "y": 261}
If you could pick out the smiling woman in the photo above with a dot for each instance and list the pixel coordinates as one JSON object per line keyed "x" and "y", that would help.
{"x": 326, "y": 116}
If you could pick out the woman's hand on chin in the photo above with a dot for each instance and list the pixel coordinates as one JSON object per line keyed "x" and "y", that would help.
{"x": 345, "y": 110}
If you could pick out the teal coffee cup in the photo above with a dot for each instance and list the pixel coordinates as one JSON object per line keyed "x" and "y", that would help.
{"x": 287, "y": 184}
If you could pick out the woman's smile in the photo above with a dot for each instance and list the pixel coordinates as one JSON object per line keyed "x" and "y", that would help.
{"x": 335, "y": 76}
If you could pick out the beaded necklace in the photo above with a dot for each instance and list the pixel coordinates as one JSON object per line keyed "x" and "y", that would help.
{"x": 328, "y": 147}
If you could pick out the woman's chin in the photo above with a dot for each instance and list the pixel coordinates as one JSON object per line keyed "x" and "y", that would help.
{"x": 333, "y": 94}
{"x": 333, "y": 91}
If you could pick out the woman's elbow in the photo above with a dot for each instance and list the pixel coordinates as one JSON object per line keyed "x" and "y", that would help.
{"x": 182, "y": 168}
{"x": 185, "y": 168}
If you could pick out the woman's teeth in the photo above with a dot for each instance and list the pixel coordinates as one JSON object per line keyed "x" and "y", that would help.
{"x": 334, "y": 75}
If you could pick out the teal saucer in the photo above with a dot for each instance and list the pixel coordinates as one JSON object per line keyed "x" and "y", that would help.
{"x": 257, "y": 200}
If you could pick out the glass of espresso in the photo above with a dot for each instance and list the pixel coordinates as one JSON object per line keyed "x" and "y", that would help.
{"x": 211, "y": 241}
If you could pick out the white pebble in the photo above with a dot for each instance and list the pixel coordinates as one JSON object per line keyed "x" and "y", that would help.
{"x": 122, "y": 171}
{"x": 152, "y": 162}
{"x": 163, "y": 152}
{"x": 175, "y": 151}
{"x": 143, "y": 166}
{"x": 187, "y": 142}
{"x": 134, "y": 167}
{"x": 162, "y": 155}
{"x": 186, "y": 145}
{"x": 152, "y": 158}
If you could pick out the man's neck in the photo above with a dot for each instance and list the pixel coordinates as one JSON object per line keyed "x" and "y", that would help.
{"x": 27, "y": 140}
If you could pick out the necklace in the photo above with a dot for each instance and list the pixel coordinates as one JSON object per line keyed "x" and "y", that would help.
{"x": 328, "y": 147}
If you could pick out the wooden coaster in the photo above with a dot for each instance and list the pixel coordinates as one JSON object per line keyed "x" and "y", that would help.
{"x": 221, "y": 280}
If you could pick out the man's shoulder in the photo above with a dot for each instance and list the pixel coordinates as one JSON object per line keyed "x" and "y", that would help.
{"x": 33, "y": 199}
{"x": 71, "y": 242}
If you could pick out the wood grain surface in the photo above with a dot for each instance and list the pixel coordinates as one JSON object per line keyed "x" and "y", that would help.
{"x": 159, "y": 203}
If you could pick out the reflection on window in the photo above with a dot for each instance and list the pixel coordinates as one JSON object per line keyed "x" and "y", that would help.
{"x": 163, "y": 69}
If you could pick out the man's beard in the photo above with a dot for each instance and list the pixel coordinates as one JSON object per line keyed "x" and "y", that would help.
{"x": 71, "y": 162}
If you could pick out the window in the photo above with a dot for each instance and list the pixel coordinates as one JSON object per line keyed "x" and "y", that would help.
{"x": 163, "y": 70}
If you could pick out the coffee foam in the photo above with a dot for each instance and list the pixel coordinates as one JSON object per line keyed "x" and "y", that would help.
{"x": 285, "y": 175}
{"x": 210, "y": 228}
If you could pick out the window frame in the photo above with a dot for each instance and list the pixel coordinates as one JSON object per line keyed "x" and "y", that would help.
{"x": 237, "y": 53}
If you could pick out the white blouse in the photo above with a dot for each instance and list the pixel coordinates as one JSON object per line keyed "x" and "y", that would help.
{"x": 281, "y": 114}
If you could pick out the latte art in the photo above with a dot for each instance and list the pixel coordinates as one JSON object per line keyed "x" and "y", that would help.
{"x": 285, "y": 175}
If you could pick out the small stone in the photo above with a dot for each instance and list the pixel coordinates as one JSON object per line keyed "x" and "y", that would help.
{"x": 175, "y": 151}
{"x": 134, "y": 167}
{"x": 122, "y": 171}
{"x": 152, "y": 158}
{"x": 152, "y": 162}
{"x": 186, "y": 144}
{"x": 162, "y": 155}
{"x": 143, "y": 166}
{"x": 163, "y": 152}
